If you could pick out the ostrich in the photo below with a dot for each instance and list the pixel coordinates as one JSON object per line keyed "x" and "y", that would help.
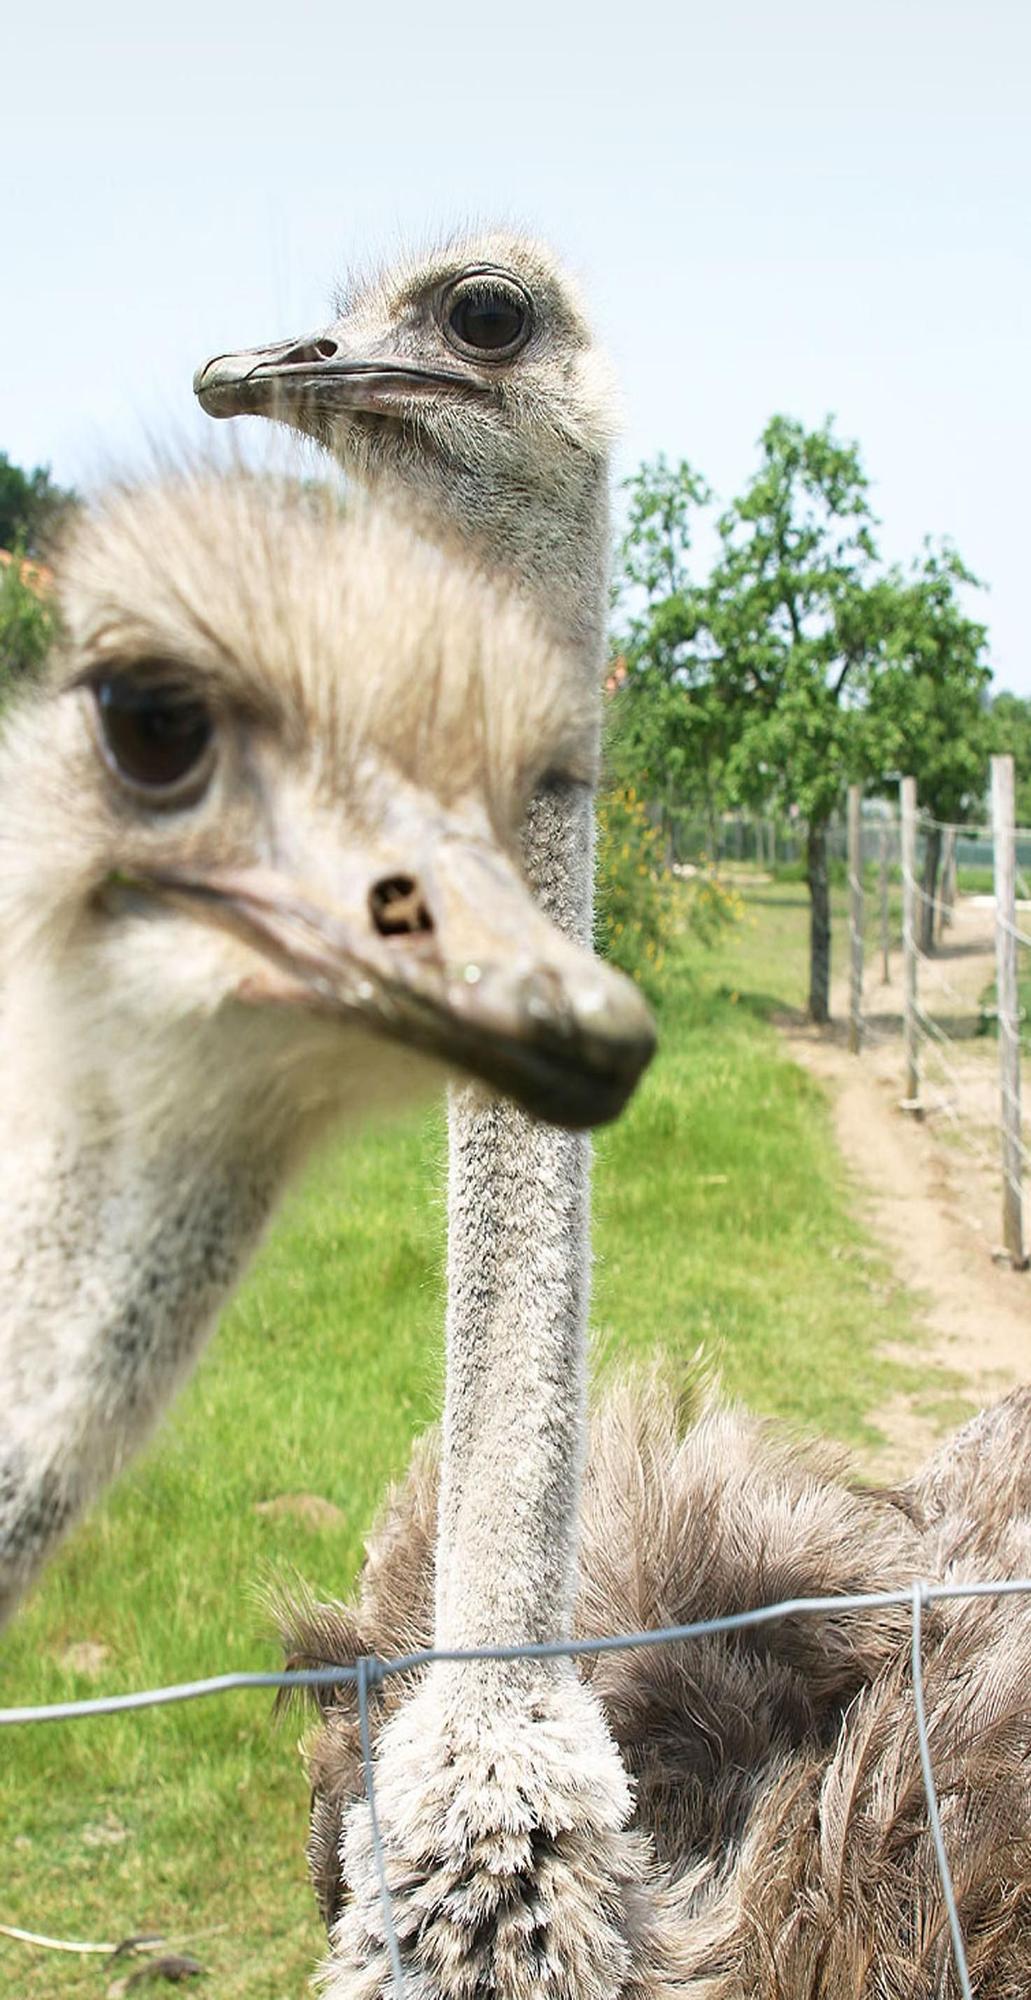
{"x": 466, "y": 388}
{"x": 257, "y": 876}
{"x": 779, "y": 1804}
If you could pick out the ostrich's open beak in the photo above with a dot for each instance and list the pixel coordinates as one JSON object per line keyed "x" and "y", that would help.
{"x": 300, "y": 380}
{"x": 461, "y": 965}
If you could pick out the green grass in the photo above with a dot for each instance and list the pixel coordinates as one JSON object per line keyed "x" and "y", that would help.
{"x": 989, "y": 1024}
{"x": 722, "y": 1222}
{"x": 973, "y": 880}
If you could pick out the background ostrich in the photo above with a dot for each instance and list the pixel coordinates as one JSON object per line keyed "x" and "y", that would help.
{"x": 777, "y": 1775}
{"x": 466, "y": 386}
{"x": 256, "y": 843}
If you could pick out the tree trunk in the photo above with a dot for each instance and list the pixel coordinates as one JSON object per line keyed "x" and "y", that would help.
{"x": 929, "y": 889}
{"x": 819, "y": 924}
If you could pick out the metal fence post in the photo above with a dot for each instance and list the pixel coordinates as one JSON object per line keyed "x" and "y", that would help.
{"x": 1008, "y": 1007}
{"x": 908, "y": 799}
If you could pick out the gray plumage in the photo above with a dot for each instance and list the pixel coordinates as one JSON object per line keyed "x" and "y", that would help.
{"x": 465, "y": 388}
{"x": 780, "y": 1819}
{"x": 779, "y": 1832}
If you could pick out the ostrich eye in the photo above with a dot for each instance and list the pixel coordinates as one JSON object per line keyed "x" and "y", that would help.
{"x": 156, "y": 736}
{"x": 488, "y": 316}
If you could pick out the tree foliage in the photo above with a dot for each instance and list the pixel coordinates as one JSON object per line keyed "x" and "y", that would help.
{"x": 26, "y": 625}
{"x": 927, "y": 712}
{"x": 668, "y": 733}
{"x": 799, "y": 663}
{"x": 31, "y": 506}
{"x": 1008, "y": 726}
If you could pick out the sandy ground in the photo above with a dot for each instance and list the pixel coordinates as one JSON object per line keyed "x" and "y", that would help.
{"x": 930, "y": 1186}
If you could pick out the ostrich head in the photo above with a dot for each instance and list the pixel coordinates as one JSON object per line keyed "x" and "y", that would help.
{"x": 260, "y": 834}
{"x": 259, "y": 840}
{"x": 471, "y": 377}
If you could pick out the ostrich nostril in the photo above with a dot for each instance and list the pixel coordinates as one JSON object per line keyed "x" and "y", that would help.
{"x": 308, "y": 350}
{"x": 397, "y": 908}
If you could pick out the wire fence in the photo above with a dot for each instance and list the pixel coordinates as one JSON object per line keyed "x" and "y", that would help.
{"x": 768, "y": 842}
{"x": 949, "y": 1034}
{"x": 369, "y": 1671}
{"x": 935, "y": 975}
{"x": 943, "y": 1018}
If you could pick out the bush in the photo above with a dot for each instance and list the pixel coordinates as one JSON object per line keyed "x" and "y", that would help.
{"x": 641, "y": 906}
{"x": 712, "y": 903}
{"x": 635, "y": 918}
{"x": 26, "y": 624}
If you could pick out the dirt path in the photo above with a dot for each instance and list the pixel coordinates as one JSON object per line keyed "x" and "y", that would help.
{"x": 929, "y": 1186}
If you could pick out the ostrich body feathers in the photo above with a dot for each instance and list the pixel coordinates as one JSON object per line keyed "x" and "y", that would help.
{"x": 779, "y": 1843}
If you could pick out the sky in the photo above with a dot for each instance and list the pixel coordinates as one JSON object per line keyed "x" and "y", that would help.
{"x": 814, "y": 208}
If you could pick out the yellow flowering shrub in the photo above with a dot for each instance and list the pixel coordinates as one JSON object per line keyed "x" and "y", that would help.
{"x": 635, "y": 898}
{"x": 712, "y": 904}
{"x": 640, "y": 906}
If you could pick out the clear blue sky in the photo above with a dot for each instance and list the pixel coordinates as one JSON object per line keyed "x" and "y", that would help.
{"x": 802, "y": 207}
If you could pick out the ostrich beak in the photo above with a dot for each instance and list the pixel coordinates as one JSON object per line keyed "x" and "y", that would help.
{"x": 461, "y": 965}
{"x": 301, "y": 380}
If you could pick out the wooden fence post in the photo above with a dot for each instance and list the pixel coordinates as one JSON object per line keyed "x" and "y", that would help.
{"x": 947, "y": 899}
{"x": 1008, "y": 1007}
{"x": 855, "y": 917}
{"x": 911, "y": 1101}
{"x": 885, "y": 932}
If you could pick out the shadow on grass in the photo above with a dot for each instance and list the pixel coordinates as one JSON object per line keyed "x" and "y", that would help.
{"x": 761, "y": 1005}
{"x": 779, "y": 902}
{"x": 945, "y": 954}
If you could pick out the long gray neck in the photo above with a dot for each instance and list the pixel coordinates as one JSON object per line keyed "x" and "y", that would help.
{"x": 548, "y": 532}
{"x": 519, "y": 1237}
{"x": 112, "y": 1269}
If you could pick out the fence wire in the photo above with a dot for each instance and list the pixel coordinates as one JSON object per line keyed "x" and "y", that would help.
{"x": 369, "y": 1671}
{"x": 944, "y": 1086}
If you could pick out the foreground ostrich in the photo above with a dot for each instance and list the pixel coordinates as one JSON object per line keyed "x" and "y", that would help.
{"x": 256, "y": 876}
{"x": 466, "y": 387}
{"x": 779, "y": 1802}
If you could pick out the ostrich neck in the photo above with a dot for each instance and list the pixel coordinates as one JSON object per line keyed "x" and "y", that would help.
{"x": 549, "y": 534}
{"x": 519, "y": 1237}
{"x": 113, "y": 1264}
{"x": 518, "y": 1288}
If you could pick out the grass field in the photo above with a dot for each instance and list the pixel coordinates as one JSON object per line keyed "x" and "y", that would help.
{"x": 989, "y": 1000}
{"x": 722, "y": 1220}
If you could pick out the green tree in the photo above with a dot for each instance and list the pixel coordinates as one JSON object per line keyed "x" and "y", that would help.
{"x": 667, "y": 730}
{"x": 31, "y": 506}
{"x": 927, "y": 713}
{"x": 792, "y": 646}
{"x": 799, "y": 664}
{"x": 654, "y": 550}
{"x": 1009, "y": 729}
